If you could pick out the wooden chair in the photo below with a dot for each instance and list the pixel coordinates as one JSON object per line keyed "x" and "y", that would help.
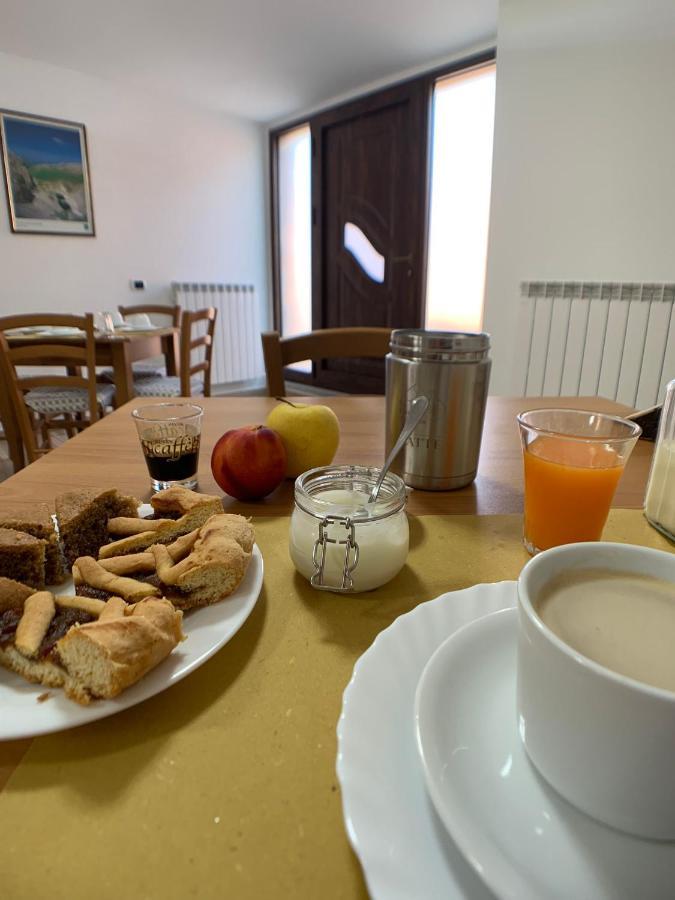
{"x": 188, "y": 383}
{"x": 69, "y": 401}
{"x": 173, "y": 313}
{"x": 329, "y": 343}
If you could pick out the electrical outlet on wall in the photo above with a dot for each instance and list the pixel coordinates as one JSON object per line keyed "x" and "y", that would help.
{"x": 137, "y": 284}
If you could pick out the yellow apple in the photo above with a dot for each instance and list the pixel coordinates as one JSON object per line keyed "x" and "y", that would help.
{"x": 310, "y": 434}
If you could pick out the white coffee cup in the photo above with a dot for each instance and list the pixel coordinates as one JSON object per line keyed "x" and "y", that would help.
{"x": 605, "y": 742}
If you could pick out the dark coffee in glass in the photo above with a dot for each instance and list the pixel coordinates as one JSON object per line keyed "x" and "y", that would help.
{"x": 170, "y": 435}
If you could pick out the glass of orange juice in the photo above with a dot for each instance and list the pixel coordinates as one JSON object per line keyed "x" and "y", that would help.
{"x": 573, "y": 460}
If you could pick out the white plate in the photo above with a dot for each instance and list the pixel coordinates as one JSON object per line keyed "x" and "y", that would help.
{"x": 404, "y": 849}
{"x": 63, "y": 329}
{"x": 48, "y": 330}
{"x": 523, "y": 838}
{"x": 207, "y": 630}
{"x": 25, "y": 329}
{"x": 128, "y": 327}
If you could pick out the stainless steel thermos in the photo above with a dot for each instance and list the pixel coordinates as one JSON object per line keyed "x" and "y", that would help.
{"x": 452, "y": 370}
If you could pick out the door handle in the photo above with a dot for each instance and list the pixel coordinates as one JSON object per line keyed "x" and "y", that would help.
{"x": 404, "y": 259}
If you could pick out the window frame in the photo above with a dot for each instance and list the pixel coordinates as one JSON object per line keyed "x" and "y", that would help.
{"x": 440, "y": 77}
{"x": 427, "y": 80}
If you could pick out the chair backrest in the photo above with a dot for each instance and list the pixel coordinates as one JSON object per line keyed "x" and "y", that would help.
{"x": 191, "y": 340}
{"x": 154, "y": 309}
{"x": 41, "y": 351}
{"x": 328, "y": 343}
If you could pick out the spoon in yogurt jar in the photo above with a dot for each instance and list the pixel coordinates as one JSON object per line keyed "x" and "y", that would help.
{"x": 415, "y": 413}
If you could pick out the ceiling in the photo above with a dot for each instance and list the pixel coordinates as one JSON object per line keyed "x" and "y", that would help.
{"x": 259, "y": 59}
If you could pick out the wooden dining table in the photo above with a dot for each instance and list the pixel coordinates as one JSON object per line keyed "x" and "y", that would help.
{"x": 118, "y": 351}
{"x": 498, "y": 487}
{"x": 225, "y": 784}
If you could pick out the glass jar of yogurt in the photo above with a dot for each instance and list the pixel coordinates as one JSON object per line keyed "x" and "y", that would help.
{"x": 338, "y": 540}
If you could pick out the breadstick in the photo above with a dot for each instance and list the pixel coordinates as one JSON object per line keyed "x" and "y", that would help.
{"x": 145, "y": 562}
{"x": 165, "y": 565}
{"x": 126, "y": 526}
{"x": 182, "y": 545}
{"x": 114, "y": 609}
{"x": 132, "y": 562}
{"x": 168, "y": 571}
{"x": 38, "y": 612}
{"x": 87, "y": 604}
{"x": 96, "y": 576}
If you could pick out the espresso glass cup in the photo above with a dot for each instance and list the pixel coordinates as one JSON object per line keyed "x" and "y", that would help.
{"x": 170, "y": 435}
{"x": 572, "y": 460}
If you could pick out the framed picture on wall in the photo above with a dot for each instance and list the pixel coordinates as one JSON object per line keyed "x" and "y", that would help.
{"x": 46, "y": 175}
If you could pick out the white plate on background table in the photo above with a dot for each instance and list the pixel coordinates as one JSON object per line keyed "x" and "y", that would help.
{"x": 403, "y": 847}
{"x": 47, "y": 330}
{"x": 25, "y": 329}
{"x": 525, "y": 840}
{"x": 129, "y": 327}
{"x": 207, "y": 630}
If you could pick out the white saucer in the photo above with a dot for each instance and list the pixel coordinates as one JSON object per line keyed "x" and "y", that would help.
{"x": 522, "y": 838}
{"x": 403, "y": 847}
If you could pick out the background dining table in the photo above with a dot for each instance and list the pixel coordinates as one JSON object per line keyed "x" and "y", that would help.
{"x": 118, "y": 351}
{"x": 225, "y": 784}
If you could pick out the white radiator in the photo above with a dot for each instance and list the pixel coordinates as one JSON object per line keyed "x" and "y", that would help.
{"x": 610, "y": 339}
{"x": 237, "y": 353}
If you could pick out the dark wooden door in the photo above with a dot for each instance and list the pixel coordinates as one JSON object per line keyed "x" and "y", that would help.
{"x": 369, "y": 189}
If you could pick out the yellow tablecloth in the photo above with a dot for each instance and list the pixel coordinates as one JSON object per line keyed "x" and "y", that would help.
{"x": 225, "y": 785}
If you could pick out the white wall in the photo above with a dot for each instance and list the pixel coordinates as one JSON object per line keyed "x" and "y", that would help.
{"x": 583, "y": 174}
{"x": 178, "y": 194}
{"x": 381, "y": 83}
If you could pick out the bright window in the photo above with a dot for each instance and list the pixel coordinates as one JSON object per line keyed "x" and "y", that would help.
{"x": 463, "y": 120}
{"x": 372, "y": 262}
{"x": 295, "y": 227}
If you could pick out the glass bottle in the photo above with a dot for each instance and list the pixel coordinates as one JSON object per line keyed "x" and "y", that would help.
{"x": 660, "y": 496}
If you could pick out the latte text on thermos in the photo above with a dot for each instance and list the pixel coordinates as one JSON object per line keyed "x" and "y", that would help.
{"x": 451, "y": 369}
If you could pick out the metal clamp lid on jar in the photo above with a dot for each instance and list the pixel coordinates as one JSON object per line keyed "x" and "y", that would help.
{"x": 439, "y": 346}
{"x": 319, "y": 555}
{"x": 391, "y": 499}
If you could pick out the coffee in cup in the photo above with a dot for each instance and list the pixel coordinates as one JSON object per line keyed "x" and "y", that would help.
{"x": 624, "y": 621}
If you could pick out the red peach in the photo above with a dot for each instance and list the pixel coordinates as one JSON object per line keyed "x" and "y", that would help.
{"x": 249, "y": 462}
